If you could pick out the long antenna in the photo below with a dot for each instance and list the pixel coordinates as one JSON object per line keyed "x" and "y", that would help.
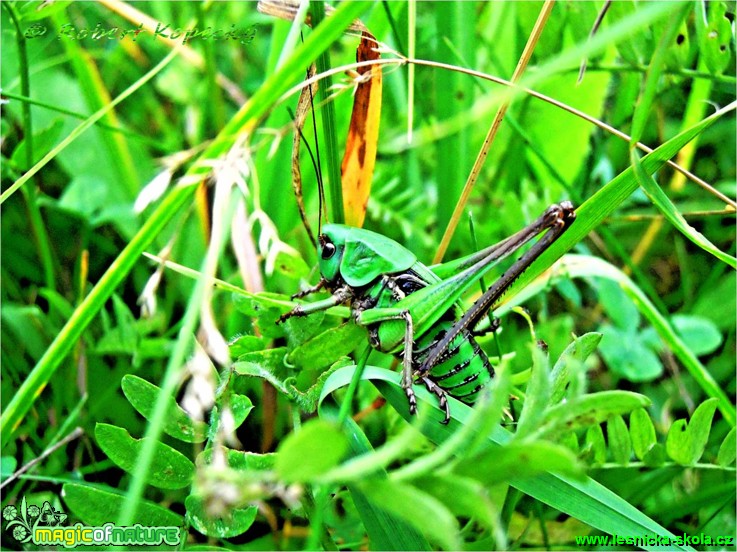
{"x": 315, "y": 165}
{"x": 322, "y": 212}
{"x": 315, "y": 162}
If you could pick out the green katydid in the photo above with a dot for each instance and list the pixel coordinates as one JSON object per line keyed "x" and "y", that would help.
{"x": 413, "y": 313}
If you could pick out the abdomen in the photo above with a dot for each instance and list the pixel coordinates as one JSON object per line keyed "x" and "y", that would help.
{"x": 463, "y": 370}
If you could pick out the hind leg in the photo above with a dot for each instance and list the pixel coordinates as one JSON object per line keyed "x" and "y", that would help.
{"x": 440, "y": 393}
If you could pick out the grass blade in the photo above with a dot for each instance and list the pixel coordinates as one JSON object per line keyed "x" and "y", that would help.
{"x": 665, "y": 205}
{"x": 244, "y": 121}
{"x": 605, "y": 201}
{"x": 585, "y": 500}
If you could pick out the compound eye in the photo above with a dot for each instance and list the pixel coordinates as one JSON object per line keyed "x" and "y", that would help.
{"x": 328, "y": 250}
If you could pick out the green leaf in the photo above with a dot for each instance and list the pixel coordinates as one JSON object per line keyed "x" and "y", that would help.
{"x": 323, "y": 349}
{"x": 571, "y": 361}
{"x": 700, "y": 426}
{"x": 177, "y": 423}
{"x": 628, "y": 356}
{"x": 271, "y": 360}
{"x": 686, "y": 442}
{"x": 619, "y": 440}
{"x": 299, "y": 329}
{"x": 436, "y": 522}
{"x": 267, "y": 364}
{"x": 679, "y": 53}
{"x": 665, "y": 206}
{"x": 311, "y": 451}
{"x": 725, "y": 317}
{"x": 595, "y": 444}
{"x": 291, "y": 264}
{"x": 519, "y": 461}
{"x": 307, "y": 400}
{"x": 97, "y": 505}
{"x": 243, "y": 344}
{"x": 642, "y": 432}
{"x": 591, "y": 409}
{"x": 537, "y": 394}
{"x": 585, "y": 95}
{"x": 714, "y": 32}
{"x": 620, "y": 308}
{"x": 677, "y": 442}
{"x": 655, "y": 456}
{"x": 240, "y": 460}
{"x": 699, "y": 334}
{"x": 240, "y": 407}
{"x": 266, "y": 308}
{"x": 464, "y": 496}
{"x": 236, "y": 522}
{"x": 169, "y": 469}
{"x": 727, "y": 451}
